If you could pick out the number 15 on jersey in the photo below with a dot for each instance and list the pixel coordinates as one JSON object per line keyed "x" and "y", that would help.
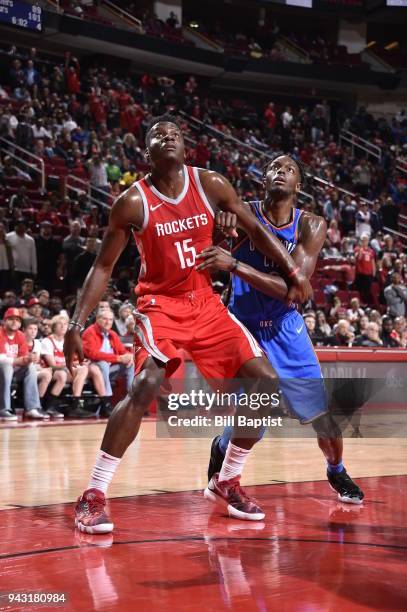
{"x": 186, "y": 253}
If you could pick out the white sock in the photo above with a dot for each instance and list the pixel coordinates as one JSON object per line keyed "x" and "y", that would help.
{"x": 103, "y": 471}
{"x": 233, "y": 463}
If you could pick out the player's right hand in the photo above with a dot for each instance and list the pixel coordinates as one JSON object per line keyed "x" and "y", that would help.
{"x": 300, "y": 290}
{"x": 73, "y": 349}
{"x": 227, "y": 223}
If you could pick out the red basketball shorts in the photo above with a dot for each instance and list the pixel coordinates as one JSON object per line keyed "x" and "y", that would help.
{"x": 200, "y": 324}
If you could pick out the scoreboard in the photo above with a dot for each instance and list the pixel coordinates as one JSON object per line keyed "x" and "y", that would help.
{"x": 17, "y": 13}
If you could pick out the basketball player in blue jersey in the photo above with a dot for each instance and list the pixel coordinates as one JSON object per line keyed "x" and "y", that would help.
{"x": 259, "y": 300}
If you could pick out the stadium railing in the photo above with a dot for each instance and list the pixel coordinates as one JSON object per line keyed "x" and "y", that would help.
{"x": 76, "y": 184}
{"x": 7, "y": 147}
{"x": 361, "y": 143}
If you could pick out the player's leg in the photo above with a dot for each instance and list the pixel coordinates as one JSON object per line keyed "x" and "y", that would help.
{"x": 223, "y": 348}
{"x": 330, "y": 442}
{"x": 123, "y": 425}
{"x": 224, "y": 487}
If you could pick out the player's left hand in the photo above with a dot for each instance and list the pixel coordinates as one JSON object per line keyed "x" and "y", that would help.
{"x": 226, "y": 222}
{"x": 216, "y": 258}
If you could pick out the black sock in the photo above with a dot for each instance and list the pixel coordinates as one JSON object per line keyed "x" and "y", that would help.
{"x": 76, "y": 403}
{"x": 52, "y": 401}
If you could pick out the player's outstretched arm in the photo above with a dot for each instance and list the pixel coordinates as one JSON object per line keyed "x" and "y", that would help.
{"x": 127, "y": 212}
{"x": 305, "y": 255}
{"x": 221, "y": 194}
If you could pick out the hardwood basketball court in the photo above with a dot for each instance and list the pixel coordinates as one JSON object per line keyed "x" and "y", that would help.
{"x": 172, "y": 550}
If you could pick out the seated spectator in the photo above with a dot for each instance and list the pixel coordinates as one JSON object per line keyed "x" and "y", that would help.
{"x": 9, "y": 301}
{"x": 395, "y": 295}
{"x": 329, "y": 251}
{"x": 355, "y": 311}
{"x": 34, "y": 308}
{"x": 316, "y": 337}
{"x": 399, "y": 333}
{"x": 53, "y": 355}
{"x": 129, "y": 177}
{"x": 43, "y": 299}
{"x": 387, "y": 339}
{"x": 372, "y": 338}
{"x": 343, "y": 336}
{"x": 27, "y": 290}
{"x": 44, "y": 374}
{"x": 361, "y": 325}
{"x": 16, "y": 363}
{"x": 44, "y": 328}
{"x": 120, "y": 324}
{"x": 103, "y": 347}
{"x": 334, "y": 234}
{"x": 322, "y": 326}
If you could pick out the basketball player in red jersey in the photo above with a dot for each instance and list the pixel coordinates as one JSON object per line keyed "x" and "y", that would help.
{"x": 171, "y": 215}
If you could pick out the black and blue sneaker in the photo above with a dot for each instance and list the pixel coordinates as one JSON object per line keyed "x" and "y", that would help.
{"x": 348, "y": 491}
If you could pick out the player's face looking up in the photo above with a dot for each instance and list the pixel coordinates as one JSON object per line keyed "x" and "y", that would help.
{"x": 165, "y": 141}
{"x": 282, "y": 177}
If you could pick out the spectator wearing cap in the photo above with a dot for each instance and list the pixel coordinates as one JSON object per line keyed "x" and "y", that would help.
{"x": 103, "y": 347}
{"x": 17, "y": 364}
{"x": 34, "y": 308}
{"x": 24, "y": 253}
{"x": 365, "y": 268}
{"x": 48, "y": 251}
{"x": 395, "y": 295}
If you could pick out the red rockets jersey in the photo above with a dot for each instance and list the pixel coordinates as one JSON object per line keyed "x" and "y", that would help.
{"x": 173, "y": 233}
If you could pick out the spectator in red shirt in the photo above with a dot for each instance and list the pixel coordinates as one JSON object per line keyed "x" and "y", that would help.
{"x": 270, "y": 117}
{"x": 202, "y": 153}
{"x": 16, "y": 363}
{"x": 47, "y": 214}
{"x": 365, "y": 268}
{"x": 103, "y": 346}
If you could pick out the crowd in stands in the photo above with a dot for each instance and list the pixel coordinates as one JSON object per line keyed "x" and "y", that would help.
{"x": 90, "y": 122}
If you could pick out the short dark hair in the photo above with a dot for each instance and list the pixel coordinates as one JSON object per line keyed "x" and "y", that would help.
{"x": 302, "y": 169}
{"x": 167, "y": 118}
{"x": 29, "y": 321}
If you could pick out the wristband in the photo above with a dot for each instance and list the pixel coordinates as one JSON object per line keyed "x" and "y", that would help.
{"x": 234, "y": 266}
{"x": 76, "y": 324}
{"x": 294, "y": 272}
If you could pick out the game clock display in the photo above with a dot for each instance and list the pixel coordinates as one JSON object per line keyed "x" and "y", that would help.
{"x": 20, "y": 14}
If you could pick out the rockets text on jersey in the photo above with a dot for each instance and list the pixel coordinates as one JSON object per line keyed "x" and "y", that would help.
{"x": 174, "y": 231}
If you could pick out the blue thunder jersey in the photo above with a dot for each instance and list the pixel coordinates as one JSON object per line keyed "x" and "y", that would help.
{"x": 247, "y": 302}
{"x": 280, "y": 330}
